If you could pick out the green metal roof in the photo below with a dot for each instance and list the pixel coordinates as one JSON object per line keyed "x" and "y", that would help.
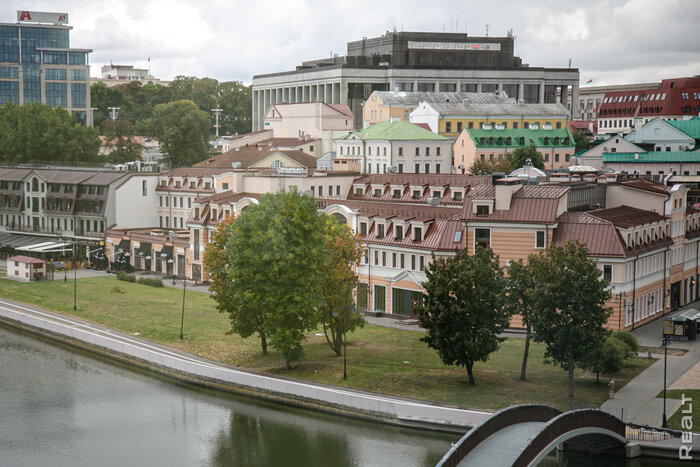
{"x": 657, "y": 156}
{"x": 397, "y": 131}
{"x": 689, "y": 127}
{"x": 521, "y": 138}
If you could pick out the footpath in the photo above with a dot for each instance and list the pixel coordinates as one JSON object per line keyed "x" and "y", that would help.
{"x": 637, "y": 401}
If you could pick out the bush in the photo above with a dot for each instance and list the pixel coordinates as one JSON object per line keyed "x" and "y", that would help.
{"x": 628, "y": 339}
{"x": 117, "y": 289}
{"x": 151, "y": 282}
{"x": 122, "y": 276}
{"x": 607, "y": 358}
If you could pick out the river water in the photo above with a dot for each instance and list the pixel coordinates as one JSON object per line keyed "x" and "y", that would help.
{"x": 61, "y": 408}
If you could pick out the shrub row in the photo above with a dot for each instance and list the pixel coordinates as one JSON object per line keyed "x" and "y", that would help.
{"x": 122, "y": 276}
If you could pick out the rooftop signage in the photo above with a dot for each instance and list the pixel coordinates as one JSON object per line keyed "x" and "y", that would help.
{"x": 41, "y": 17}
{"x": 454, "y": 45}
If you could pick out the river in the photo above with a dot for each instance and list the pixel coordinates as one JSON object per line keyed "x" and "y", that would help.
{"x": 63, "y": 408}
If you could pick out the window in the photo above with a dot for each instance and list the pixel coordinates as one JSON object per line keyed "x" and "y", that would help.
{"x": 413, "y": 262}
{"x": 377, "y": 192}
{"x": 363, "y": 228}
{"x": 416, "y": 194}
{"x": 383, "y": 258}
{"x": 397, "y": 193}
{"x": 427, "y": 151}
{"x": 195, "y": 243}
{"x": 417, "y": 151}
{"x": 376, "y": 258}
{"x": 320, "y": 190}
{"x": 417, "y": 168}
{"x": 482, "y": 238}
{"x": 417, "y": 234}
{"x": 400, "y": 151}
{"x": 448, "y": 127}
{"x": 421, "y": 262}
{"x": 482, "y": 209}
{"x": 539, "y": 239}
{"x": 400, "y": 168}
{"x": 399, "y": 232}
{"x": 393, "y": 260}
{"x": 457, "y": 195}
{"x": 427, "y": 167}
{"x": 380, "y": 230}
{"x": 402, "y": 258}
{"x": 358, "y": 191}
{"x": 607, "y": 272}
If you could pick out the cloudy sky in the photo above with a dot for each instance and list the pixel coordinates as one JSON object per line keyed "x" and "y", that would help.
{"x": 610, "y": 42}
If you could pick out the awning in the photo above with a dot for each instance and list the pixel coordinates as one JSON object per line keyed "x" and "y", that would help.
{"x": 165, "y": 253}
{"x": 124, "y": 246}
{"x": 144, "y": 249}
{"x": 45, "y": 247}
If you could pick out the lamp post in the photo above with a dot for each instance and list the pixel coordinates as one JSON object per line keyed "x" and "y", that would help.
{"x": 620, "y": 298}
{"x": 65, "y": 269}
{"x": 75, "y": 281}
{"x": 664, "y": 424}
{"x": 182, "y": 318}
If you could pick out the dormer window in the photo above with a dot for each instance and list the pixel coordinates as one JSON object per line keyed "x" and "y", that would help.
{"x": 163, "y": 183}
{"x": 359, "y": 191}
{"x": 363, "y": 228}
{"x": 397, "y": 193}
{"x": 380, "y": 230}
{"x": 207, "y": 185}
{"x": 417, "y": 234}
{"x": 457, "y": 195}
{"x": 416, "y": 194}
{"x": 196, "y": 213}
{"x": 398, "y": 232}
{"x": 178, "y": 184}
{"x": 482, "y": 209}
{"x": 193, "y": 185}
{"x": 377, "y": 192}
{"x": 214, "y": 213}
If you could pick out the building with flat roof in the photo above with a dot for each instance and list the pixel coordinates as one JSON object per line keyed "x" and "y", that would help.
{"x": 114, "y": 75}
{"x": 37, "y": 64}
{"x": 415, "y": 61}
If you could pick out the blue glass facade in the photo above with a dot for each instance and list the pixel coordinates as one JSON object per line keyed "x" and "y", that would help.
{"x": 43, "y": 59}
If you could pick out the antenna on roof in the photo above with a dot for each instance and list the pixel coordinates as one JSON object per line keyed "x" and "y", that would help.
{"x": 487, "y": 30}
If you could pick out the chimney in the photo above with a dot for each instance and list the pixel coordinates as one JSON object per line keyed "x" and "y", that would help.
{"x": 505, "y": 187}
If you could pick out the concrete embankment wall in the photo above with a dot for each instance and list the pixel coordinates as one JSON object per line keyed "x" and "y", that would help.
{"x": 190, "y": 369}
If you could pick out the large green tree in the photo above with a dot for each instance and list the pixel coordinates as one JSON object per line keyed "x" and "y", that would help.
{"x": 518, "y": 157}
{"x": 39, "y": 133}
{"x": 581, "y": 140}
{"x": 488, "y": 167}
{"x": 119, "y": 135}
{"x": 520, "y": 300}
{"x": 183, "y": 131}
{"x": 342, "y": 256}
{"x": 266, "y": 268}
{"x": 235, "y": 101}
{"x": 570, "y": 297}
{"x": 462, "y": 309}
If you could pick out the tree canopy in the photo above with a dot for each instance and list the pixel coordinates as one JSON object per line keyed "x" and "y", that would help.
{"x": 488, "y": 167}
{"x": 462, "y": 309}
{"x": 518, "y": 157}
{"x": 570, "y": 307}
{"x": 581, "y": 140}
{"x": 266, "y": 268}
{"x": 39, "y": 133}
{"x": 119, "y": 135}
{"x": 137, "y": 102}
{"x": 520, "y": 300}
{"x": 342, "y": 256}
{"x": 183, "y": 131}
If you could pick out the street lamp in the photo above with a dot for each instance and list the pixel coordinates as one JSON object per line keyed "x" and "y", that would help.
{"x": 664, "y": 344}
{"x": 75, "y": 281}
{"x": 170, "y": 263}
{"x": 182, "y": 318}
{"x": 620, "y": 298}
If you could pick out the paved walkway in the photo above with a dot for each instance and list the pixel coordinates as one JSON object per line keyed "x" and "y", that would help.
{"x": 194, "y": 369}
{"x": 637, "y": 401}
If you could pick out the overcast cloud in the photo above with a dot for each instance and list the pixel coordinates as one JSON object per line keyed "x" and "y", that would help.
{"x": 610, "y": 42}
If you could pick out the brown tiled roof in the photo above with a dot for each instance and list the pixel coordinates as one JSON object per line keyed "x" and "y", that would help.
{"x": 405, "y": 211}
{"x": 342, "y": 108}
{"x": 249, "y": 157}
{"x": 529, "y": 204}
{"x": 288, "y": 142}
{"x": 601, "y": 235}
{"x": 624, "y": 217}
{"x": 646, "y": 185}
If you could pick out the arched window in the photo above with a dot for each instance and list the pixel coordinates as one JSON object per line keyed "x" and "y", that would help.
{"x": 342, "y": 220}
{"x": 35, "y": 184}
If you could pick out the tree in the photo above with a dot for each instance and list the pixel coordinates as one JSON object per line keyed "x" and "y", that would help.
{"x": 341, "y": 258}
{"x": 606, "y": 356}
{"x": 488, "y": 167}
{"x": 462, "y": 309}
{"x": 235, "y": 100}
{"x": 570, "y": 297}
{"x": 520, "y": 300}
{"x": 581, "y": 140}
{"x": 183, "y": 131}
{"x": 518, "y": 157}
{"x": 39, "y": 133}
{"x": 266, "y": 268}
{"x": 119, "y": 136}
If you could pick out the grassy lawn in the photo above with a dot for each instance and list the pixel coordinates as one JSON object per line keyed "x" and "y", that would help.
{"x": 379, "y": 359}
{"x": 675, "y": 420}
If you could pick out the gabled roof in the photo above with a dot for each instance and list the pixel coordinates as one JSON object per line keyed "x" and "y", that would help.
{"x": 647, "y": 185}
{"x": 509, "y": 108}
{"x": 397, "y": 131}
{"x": 249, "y": 157}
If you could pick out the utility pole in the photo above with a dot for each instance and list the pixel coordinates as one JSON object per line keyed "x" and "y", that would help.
{"x": 216, "y": 119}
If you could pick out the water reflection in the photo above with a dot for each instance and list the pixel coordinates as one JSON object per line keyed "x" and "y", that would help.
{"x": 62, "y": 408}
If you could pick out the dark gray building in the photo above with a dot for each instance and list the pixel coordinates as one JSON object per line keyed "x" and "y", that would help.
{"x": 415, "y": 61}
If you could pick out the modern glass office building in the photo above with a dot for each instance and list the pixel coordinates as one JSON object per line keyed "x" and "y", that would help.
{"x": 38, "y": 65}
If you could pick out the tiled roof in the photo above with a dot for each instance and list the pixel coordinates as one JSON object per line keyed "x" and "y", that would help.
{"x": 646, "y": 185}
{"x": 415, "y": 98}
{"x": 397, "y": 131}
{"x": 425, "y": 179}
{"x": 405, "y": 211}
{"x": 689, "y": 127}
{"x": 529, "y": 204}
{"x": 343, "y": 109}
{"x": 249, "y": 157}
{"x": 652, "y": 157}
{"x": 510, "y": 108}
{"x": 499, "y": 138}
{"x": 625, "y": 217}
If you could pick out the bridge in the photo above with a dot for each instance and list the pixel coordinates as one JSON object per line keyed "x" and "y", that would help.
{"x": 523, "y": 435}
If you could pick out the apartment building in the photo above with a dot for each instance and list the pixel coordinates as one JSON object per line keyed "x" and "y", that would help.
{"x": 397, "y": 146}
{"x": 449, "y": 118}
{"x": 493, "y": 141}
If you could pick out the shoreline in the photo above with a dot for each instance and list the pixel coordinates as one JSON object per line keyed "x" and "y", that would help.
{"x": 188, "y": 369}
